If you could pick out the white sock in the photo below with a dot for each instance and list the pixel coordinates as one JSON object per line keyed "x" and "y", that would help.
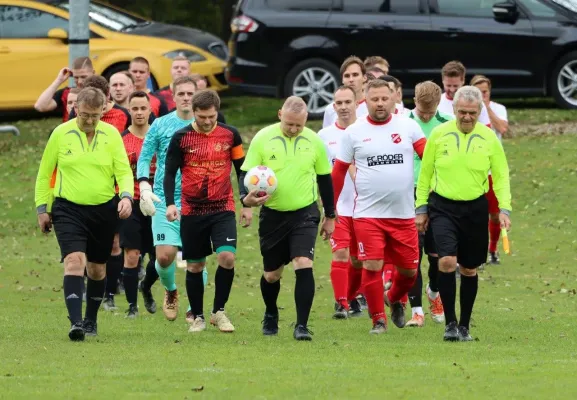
{"x": 432, "y": 295}
{"x": 418, "y": 310}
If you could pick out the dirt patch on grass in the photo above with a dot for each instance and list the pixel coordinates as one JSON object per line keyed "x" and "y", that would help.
{"x": 548, "y": 129}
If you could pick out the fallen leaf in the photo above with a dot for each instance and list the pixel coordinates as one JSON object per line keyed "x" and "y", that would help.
{"x": 198, "y": 389}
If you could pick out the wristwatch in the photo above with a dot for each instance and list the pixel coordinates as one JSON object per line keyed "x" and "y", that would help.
{"x": 331, "y": 215}
{"x": 126, "y": 195}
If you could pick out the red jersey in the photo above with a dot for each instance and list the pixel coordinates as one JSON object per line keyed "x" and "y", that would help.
{"x": 61, "y": 98}
{"x": 133, "y": 145}
{"x": 205, "y": 162}
{"x": 117, "y": 116}
{"x": 165, "y": 94}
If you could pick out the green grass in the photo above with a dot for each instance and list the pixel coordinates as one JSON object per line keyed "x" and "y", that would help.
{"x": 523, "y": 319}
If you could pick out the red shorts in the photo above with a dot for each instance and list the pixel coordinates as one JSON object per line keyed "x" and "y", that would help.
{"x": 344, "y": 236}
{"x": 396, "y": 241}
{"x": 491, "y": 198}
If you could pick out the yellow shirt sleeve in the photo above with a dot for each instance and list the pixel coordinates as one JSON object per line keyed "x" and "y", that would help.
{"x": 427, "y": 170}
{"x": 121, "y": 165}
{"x": 322, "y": 164}
{"x": 500, "y": 173}
{"x": 42, "y": 190}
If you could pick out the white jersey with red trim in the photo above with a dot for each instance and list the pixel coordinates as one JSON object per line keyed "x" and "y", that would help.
{"x": 501, "y": 111}
{"x": 383, "y": 155}
{"x": 446, "y": 106}
{"x": 333, "y": 137}
{"x": 331, "y": 116}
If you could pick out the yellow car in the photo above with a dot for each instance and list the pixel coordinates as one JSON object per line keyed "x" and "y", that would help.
{"x": 34, "y": 47}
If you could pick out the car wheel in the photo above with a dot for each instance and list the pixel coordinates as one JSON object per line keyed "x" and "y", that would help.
{"x": 315, "y": 81}
{"x": 564, "y": 81}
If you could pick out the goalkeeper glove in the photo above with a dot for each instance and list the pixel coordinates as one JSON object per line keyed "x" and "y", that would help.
{"x": 147, "y": 199}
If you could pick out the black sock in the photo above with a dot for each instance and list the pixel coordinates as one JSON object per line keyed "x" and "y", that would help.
{"x": 270, "y": 293}
{"x": 416, "y": 292}
{"x": 73, "y": 286}
{"x": 94, "y": 295}
{"x": 195, "y": 292}
{"x": 448, "y": 291}
{"x": 222, "y": 286}
{"x": 130, "y": 280}
{"x": 433, "y": 273}
{"x": 469, "y": 286}
{"x": 304, "y": 294}
{"x": 113, "y": 269}
{"x": 151, "y": 274}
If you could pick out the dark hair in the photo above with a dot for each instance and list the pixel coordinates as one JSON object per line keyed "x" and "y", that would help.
{"x": 378, "y": 83}
{"x": 139, "y": 94}
{"x": 454, "y": 69}
{"x": 371, "y": 61}
{"x": 391, "y": 79}
{"x": 205, "y": 99}
{"x": 346, "y": 87}
{"x": 352, "y": 60}
{"x": 98, "y": 82}
{"x": 181, "y": 81}
{"x": 141, "y": 60}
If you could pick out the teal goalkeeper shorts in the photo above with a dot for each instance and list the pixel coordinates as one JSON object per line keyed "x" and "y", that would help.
{"x": 165, "y": 233}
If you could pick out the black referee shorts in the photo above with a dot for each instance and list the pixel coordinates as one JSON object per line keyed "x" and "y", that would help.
{"x": 136, "y": 231}
{"x": 460, "y": 228}
{"x": 200, "y": 234}
{"x": 285, "y": 235}
{"x": 85, "y": 229}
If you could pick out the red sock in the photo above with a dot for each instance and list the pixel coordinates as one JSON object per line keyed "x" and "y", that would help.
{"x": 339, "y": 279}
{"x": 389, "y": 270}
{"x": 401, "y": 286}
{"x": 355, "y": 276}
{"x": 373, "y": 291}
{"x": 494, "y": 234}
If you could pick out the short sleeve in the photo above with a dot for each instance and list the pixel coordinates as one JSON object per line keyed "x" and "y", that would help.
{"x": 322, "y": 164}
{"x": 484, "y": 116}
{"x": 237, "y": 152}
{"x": 346, "y": 152}
{"x": 415, "y": 131}
{"x": 59, "y": 98}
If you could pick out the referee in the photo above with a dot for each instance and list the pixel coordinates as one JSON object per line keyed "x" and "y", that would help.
{"x": 289, "y": 218}
{"x": 90, "y": 156}
{"x": 451, "y": 199}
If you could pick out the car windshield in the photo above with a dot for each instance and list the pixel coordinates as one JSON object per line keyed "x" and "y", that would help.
{"x": 109, "y": 18}
{"x": 568, "y": 4}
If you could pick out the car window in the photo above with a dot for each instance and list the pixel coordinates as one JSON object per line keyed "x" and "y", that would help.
{"x": 538, "y": 9}
{"x": 381, "y": 6}
{"x": 300, "y": 5}
{"x": 468, "y": 8}
{"x": 28, "y": 23}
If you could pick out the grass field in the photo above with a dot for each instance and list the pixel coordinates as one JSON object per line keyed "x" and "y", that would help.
{"x": 524, "y": 317}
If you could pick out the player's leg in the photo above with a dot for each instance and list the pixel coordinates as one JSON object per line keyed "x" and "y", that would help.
{"x": 416, "y": 292}
{"x": 494, "y": 224}
{"x": 113, "y": 272}
{"x": 151, "y": 275}
{"x": 72, "y": 236}
{"x": 432, "y": 290}
{"x": 473, "y": 241}
{"x": 371, "y": 244}
{"x": 223, "y": 236}
{"x": 274, "y": 247}
{"x": 403, "y": 250}
{"x": 302, "y": 240}
{"x": 445, "y": 229}
{"x": 166, "y": 236}
{"x": 341, "y": 265}
{"x": 102, "y": 222}
{"x": 195, "y": 235}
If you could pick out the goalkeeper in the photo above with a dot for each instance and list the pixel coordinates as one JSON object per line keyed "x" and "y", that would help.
{"x": 166, "y": 235}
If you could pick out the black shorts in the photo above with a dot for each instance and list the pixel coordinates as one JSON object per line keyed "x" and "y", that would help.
{"x": 459, "y": 228}
{"x": 136, "y": 231}
{"x": 85, "y": 229}
{"x": 285, "y": 235}
{"x": 200, "y": 234}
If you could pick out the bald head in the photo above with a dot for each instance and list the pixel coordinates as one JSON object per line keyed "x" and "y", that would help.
{"x": 293, "y": 116}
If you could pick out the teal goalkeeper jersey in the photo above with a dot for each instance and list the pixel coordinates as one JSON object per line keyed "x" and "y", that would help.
{"x": 427, "y": 128}
{"x": 156, "y": 142}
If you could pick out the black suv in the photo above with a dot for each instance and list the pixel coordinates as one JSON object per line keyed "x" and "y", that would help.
{"x": 284, "y": 47}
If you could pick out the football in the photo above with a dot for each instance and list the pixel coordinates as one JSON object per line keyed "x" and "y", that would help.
{"x": 262, "y": 179}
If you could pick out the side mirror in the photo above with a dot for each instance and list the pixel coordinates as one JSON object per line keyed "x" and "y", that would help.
{"x": 57, "y": 33}
{"x": 505, "y": 11}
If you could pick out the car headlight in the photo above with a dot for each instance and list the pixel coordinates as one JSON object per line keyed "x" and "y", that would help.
{"x": 191, "y": 55}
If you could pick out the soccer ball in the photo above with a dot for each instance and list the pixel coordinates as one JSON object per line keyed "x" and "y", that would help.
{"x": 262, "y": 179}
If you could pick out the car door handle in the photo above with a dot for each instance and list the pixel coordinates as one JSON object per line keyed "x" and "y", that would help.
{"x": 4, "y": 50}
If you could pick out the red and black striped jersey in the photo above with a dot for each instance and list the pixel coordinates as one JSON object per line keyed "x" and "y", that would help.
{"x": 133, "y": 146}
{"x": 157, "y": 105}
{"x": 205, "y": 162}
{"x": 61, "y": 98}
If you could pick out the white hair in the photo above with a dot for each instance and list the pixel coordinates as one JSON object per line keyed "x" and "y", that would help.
{"x": 294, "y": 104}
{"x": 470, "y": 94}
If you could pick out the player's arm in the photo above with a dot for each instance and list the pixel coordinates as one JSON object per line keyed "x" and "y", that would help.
{"x": 324, "y": 179}
{"x": 427, "y": 169}
{"x": 121, "y": 166}
{"x": 419, "y": 139}
{"x": 237, "y": 156}
{"x": 500, "y": 125}
{"x": 252, "y": 159}
{"x": 328, "y": 115}
{"x": 500, "y": 173}
{"x": 174, "y": 157}
{"x": 149, "y": 147}
{"x": 484, "y": 116}
{"x": 345, "y": 157}
{"x": 51, "y": 98}
{"x": 42, "y": 190}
